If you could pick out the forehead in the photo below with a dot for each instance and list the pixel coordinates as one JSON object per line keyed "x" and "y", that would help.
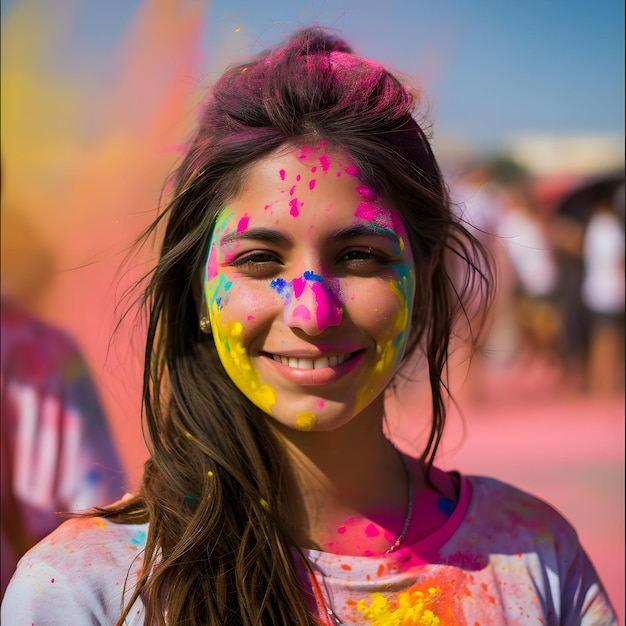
{"x": 308, "y": 183}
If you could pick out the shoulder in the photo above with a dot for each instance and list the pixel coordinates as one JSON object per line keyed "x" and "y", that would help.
{"x": 80, "y": 569}
{"x": 503, "y": 520}
{"x": 498, "y": 504}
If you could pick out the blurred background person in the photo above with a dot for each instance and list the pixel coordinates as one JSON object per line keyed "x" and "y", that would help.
{"x": 57, "y": 451}
{"x": 603, "y": 294}
{"x": 524, "y": 234}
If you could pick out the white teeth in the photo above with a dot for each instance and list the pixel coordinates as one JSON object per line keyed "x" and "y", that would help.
{"x": 311, "y": 364}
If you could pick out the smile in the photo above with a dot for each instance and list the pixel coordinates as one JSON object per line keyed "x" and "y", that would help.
{"x": 312, "y": 364}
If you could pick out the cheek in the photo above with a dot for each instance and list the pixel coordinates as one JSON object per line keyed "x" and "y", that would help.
{"x": 230, "y": 317}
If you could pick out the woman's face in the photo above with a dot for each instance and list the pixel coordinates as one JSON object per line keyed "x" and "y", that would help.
{"x": 309, "y": 285}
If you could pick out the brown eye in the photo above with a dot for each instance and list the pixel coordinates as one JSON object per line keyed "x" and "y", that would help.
{"x": 258, "y": 264}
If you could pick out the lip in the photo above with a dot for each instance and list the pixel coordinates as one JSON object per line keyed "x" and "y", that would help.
{"x": 318, "y": 375}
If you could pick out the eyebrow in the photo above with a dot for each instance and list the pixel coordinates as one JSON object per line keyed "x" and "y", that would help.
{"x": 257, "y": 234}
{"x": 354, "y": 231}
{"x": 365, "y": 230}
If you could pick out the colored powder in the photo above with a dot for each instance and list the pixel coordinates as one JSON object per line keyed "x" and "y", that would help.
{"x": 352, "y": 170}
{"x": 411, "y": 607}
{"x": 282, "y": 174}
{"x": 341, "y": 530}
{"x": 279, "y": 284}
{"x": 236, "y": 362}
{"x": 295, "y": 207}
{"x": 292, "y": 190}
{"x": 328, "y": 312}
{"x": 368, "y": 194}
{"x": 302, "y": 311}
{"x": 243, "y": 223}
{"x": 305, "y": 420}
{"x": 367, "y": 211}
{"x": 371, "y": 531}
{"x": 312, "y": 184}
{"x": 325, "y": 162}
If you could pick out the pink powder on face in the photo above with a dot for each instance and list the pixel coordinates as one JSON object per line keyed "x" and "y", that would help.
{"x": 302, "y": 311}
{"x": 367, "y": 211}
{"x": 352, "y": 170}
{"x": 369, "y": 195}
{"x": 341, "y": 530}
{"x": 320, "y": 404}
{"x": 211, "y": 268}
{"x": 243, "y": 223}
{"x": 312, "y": 183}
{"x": 325, "y": 162}
{"x": 298, "y": 177}
{"x": 328, "y": 312}
{"x": 313, "y": 169}
{"x": 298, "y": 286}
{"x": 282, "y": 174}
{"x": 371, "y": 531}
{"x": 295, "y": 207}
{"x": 292, "y": 190}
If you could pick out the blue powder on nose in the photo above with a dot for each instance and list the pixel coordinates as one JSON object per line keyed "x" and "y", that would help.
{"x": 308, "y": 275}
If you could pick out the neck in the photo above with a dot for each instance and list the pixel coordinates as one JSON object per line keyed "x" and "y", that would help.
{"x": 348, "y": 488}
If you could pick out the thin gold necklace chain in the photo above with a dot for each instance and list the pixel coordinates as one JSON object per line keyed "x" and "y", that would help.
{"x": 409, "y": 513}
{"x": 396, "y": 544}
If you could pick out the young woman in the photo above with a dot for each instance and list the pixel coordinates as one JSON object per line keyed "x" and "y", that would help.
{"x": 306, "y": 261}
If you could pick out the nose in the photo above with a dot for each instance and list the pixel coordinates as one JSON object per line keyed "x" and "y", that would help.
{"x": 314, "y": 305}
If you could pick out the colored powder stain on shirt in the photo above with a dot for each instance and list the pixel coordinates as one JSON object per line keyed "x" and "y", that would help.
{"x": 139, "y": 539}
{"x": 446, "y": 505}
{"x": 412, "y": 607}
{"x": 305, "y": 420}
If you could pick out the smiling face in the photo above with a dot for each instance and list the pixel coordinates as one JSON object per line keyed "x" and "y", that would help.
{"x": 309, "y": 285}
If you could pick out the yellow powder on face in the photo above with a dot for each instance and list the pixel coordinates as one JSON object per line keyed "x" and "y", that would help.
{"x": 305, "y": 420}
{"x": 236, "y": 362}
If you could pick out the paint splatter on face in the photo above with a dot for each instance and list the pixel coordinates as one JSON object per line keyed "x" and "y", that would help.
{"x": 309, "y": 301}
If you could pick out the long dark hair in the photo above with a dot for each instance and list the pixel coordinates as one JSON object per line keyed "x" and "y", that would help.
{"x": 218, "y": 549}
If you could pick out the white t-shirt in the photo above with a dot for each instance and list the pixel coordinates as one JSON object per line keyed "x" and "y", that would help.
{"x": 502, "y": 557}
{"x": 603, "y": 262}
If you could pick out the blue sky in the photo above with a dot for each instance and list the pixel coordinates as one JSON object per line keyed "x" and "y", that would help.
{"x": 490, "y": 68}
